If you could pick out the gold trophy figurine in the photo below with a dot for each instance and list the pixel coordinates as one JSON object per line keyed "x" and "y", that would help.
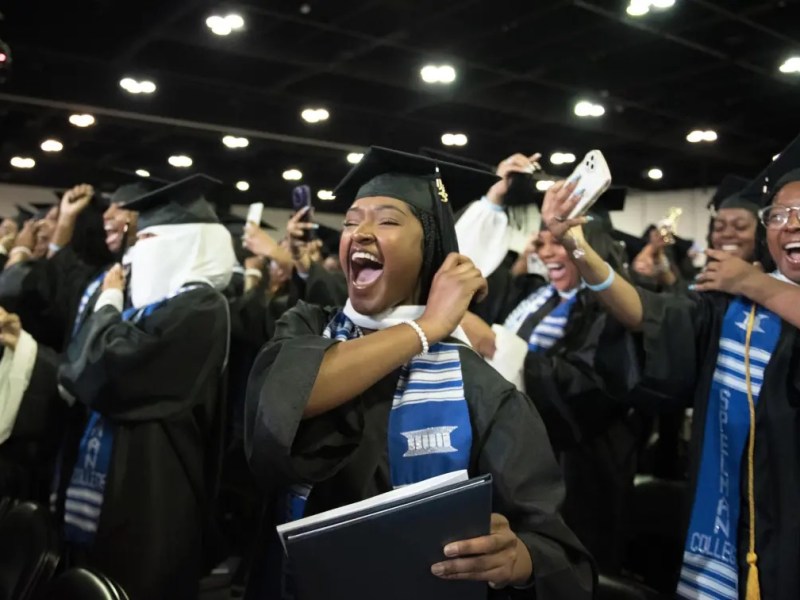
{"x": 668, "y": 226}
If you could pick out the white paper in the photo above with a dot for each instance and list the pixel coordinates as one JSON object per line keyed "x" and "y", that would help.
{"x": 375, "y": 502}
{"x": 509, "y": 356}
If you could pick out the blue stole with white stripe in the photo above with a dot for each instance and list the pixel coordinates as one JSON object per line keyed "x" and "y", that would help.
{"x": 710, "y": 564}
{"x": 550, "y": 329}
{"x": 85, "y": 493}
{"x": 429, "y": 426}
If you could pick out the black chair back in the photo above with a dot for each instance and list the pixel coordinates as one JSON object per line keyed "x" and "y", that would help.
{"x": 28, "y": 551}
{"x": 83, "y": 584}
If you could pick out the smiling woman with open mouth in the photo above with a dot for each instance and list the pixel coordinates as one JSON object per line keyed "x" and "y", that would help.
{"x": 337, "y": 398}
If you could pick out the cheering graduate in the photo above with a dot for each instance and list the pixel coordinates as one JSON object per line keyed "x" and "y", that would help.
{"x": 339, "y": 396}
{"x": 734, "y": 349}
{"x": 138, "y": 473}
{"x": 735, "y": 219}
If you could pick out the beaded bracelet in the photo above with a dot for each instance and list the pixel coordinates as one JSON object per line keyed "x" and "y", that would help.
{"x": 422, "y": 337}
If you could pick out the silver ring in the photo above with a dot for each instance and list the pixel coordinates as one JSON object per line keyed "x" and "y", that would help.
{"x": 561, "y": 219}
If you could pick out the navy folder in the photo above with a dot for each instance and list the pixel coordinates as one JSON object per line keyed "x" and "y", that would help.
{"x": 386, "y": 551}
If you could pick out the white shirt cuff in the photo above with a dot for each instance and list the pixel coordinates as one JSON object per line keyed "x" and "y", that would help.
{"x": 111, "y": 297}
{"x": 301, "y": 275}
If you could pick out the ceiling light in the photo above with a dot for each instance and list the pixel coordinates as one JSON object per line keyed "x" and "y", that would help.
{"x": 315, "y": 115}
{"x": 792, "y": 65}
{"x": 776, "y": 156}
{"x": 454, "y": 139}
{"x": 638, "y": 8}
{"x": 292, "y": 175}
{"x": 544, "y": 184}
{"x": 662, "y": 3}
{"x": 584, "y": 108}
{"x": 52, "y": 146}
{"x": 438, "y": 74}
{"x": 697, "y": 136}
{"x": 220, "y": 25}
{"x": 325, "y": 195}
{"x": 22, "y": 162}
{"x": 180, "y": 161}
{"x": 562, "y": 158}
{"x": 655, "y": 173}
{"x": 132, "y": 86}
{"x": 242, "y": 186}
{"x": 143, "y": 172}
{"x": 355, "y": 157}
{"x": 84, "y": 120}
{"x": 231, "y": 141}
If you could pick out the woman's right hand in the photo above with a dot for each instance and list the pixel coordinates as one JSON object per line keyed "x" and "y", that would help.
{"x": 454, "y": 286}
{"x": 559, "y": 202}
{"x": 27, "y": 237}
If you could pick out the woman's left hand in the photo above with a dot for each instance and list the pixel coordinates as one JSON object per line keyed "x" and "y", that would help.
{"x": 499, "y": 558}
{"x": 725, "y": 273}
{"x": 114, "y": 279}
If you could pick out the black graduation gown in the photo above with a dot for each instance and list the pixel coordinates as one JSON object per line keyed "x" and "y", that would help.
{"x": 594, "y": 435}
{"x": 321, "y": 287}
{"x": 160, "y": 384}
{"x": 46, "y": 293}
{"x": 344, "y": 452}
{"x": 674, "y": 359}
{"x": 28, "y": 455}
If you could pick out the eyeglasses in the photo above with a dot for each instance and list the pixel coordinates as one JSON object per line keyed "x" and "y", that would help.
{"x": 775, "y": 216}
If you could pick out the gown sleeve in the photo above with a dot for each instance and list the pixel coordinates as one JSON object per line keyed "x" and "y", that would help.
{"x": 666, "y": 357}
{"x": 280, "y": 445}
{"x": 145, "y": 371}
{"x": 484, "y": 235}
{"x": 569, "y": 395}
{"x": 512, "y": 445}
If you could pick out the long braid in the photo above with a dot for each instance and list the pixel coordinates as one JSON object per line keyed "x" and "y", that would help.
{"x": 432, "y": 252}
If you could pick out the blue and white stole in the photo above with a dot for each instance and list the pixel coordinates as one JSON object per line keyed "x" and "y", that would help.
{"x": 430, "y": 431}
{"x": 710, "y": 564}
{"x": 86, "y": 489}
{"x": 551, "y": 328}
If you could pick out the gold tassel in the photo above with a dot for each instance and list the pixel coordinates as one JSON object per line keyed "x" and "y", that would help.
{"x": 753, "y": 588}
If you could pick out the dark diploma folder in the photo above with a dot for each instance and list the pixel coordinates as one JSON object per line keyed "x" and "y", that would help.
{"x": 386, "y": 551}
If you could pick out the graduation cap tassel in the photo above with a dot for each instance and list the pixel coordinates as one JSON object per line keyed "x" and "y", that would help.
{"x": 753, "y": 591}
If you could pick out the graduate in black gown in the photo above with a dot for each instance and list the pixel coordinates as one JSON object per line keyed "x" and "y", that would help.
{"x": 732, "y": 346}
{"x": 320, "y": 411}
{"x": 595, "y": 436}
{"x": 137, "y": 479}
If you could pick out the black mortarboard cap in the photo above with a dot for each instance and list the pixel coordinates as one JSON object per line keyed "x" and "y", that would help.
{"x": 330, "y": 239}
{"x": 436, "y": 187}
{"x": 179, "y": 203}
{"x": 784, "y": 169}
{"x": 23, "y": 216}
{"x": 633, "y": 245}
{"x": 729, "y": 195}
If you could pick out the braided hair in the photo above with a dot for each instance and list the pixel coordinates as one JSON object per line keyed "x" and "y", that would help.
{"x": 432, "y": 252}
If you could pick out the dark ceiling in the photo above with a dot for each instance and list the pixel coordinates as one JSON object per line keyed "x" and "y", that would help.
{"x": 522, "y": 65}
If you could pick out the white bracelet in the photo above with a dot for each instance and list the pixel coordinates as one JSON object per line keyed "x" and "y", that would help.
{"x": 422, "y": 337}
{"x": 21, "y": 250}
{"x": 253, "y": 273}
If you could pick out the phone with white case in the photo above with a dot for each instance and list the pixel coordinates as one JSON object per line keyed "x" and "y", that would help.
{"x": 593, "y": 177}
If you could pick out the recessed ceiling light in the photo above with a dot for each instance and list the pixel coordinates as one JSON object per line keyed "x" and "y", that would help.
{"x": 562, "y": 158}
{"x": 82, "y": 120}
{"x": 220, "y": 25}
{"x": 454, "y": 139}
{"x": 791, "y": 65}
{"x": 143, "y": 172}
{"x": 662, "y": 3}
{"x": 180, "y": 161}
{"x": 639, "y": 8}
{"x": 697, "y": 136}
{"x": 22, "y": 162}
{"x": 315, "y": 115}
{"x": 242, "y": 186}
{"x": 231, "y": 141}
{"x": 438, "y": 74}
{"x": 655, "y": 173}
{"x": 325, "y": 195}
{"x": 544, "y": 184}
{"x": 52, "y": 146}
{"x": 292, "y": 175}
{"x": 355, "y": 157}
{"x": 132, "y": 86}
{"x": 584, "y": 108}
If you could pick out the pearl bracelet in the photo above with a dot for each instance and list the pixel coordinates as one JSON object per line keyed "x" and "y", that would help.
{"x": 422, "y": 337}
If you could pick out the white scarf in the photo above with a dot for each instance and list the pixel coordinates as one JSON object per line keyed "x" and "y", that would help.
{"x": 16, "y": 368}
{"x": 177, "y": 255}
{"x": 394, "y": 316}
